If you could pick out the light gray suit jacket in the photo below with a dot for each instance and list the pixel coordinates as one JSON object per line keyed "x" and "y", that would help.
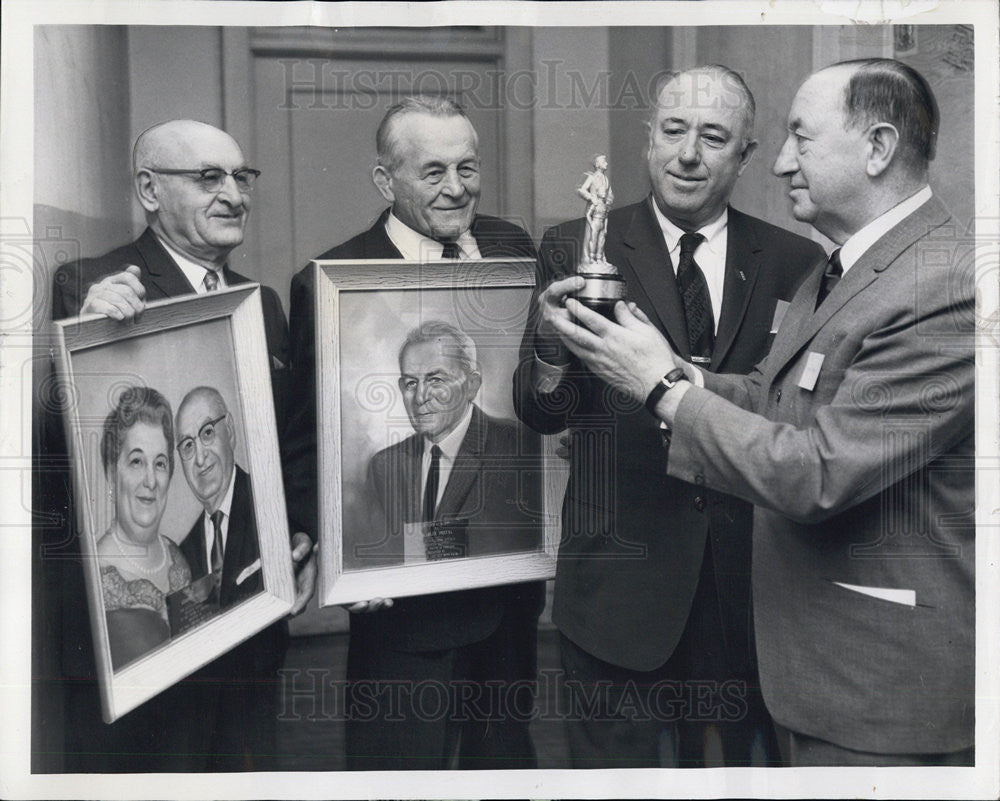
{"x": 863, "y": 476}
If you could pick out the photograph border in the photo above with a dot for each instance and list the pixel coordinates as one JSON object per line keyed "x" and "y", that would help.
{"x": 337, "y": 586}
{"x": 137, "y": 682}
{"x": 24, "y": 287}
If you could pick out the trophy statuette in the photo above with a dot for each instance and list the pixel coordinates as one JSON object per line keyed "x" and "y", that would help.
{"x": 603, "y": 285}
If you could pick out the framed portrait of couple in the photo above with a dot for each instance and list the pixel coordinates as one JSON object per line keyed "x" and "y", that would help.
{"x": 427, "y": 481}
{"x": 178, "y": 495}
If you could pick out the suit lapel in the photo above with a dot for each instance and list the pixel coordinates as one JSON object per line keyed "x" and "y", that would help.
{"x": 411, "y": 456}
{"x": 377, "y": 244}
{"x": 806, "y": 323}
{"x": 162, "y": 277}
{"x": 649, "y": 274}
{"x": 468, "y": 465}
{"x": 742, "y": 267}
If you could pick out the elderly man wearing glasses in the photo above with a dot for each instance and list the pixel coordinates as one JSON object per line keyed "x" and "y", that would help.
{"x": 194, "y": 185}
{"x": 223, "y": 540}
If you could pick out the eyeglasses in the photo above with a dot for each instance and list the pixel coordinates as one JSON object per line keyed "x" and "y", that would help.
{"x": 212, "y": 178}
{"x": 206, "y": 434}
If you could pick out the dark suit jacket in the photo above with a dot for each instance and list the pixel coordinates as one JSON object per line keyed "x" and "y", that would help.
{"x": 481, "y": 609}
{"x": 633, "y": 538}
{"x": 242, "y": 546}
{"x": 863, "y": 477}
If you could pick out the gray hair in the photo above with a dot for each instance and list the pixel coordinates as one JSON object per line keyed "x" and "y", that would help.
{"x": 136, "y": 405}
{"x": 387, "y": 144}
{"x": 464, "y": 347}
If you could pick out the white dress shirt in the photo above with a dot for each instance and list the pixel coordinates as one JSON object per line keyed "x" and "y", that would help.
{"x": 710, "y": 253}
{"x": 224, "y": 507}
{"x": 416, "y": 247}
{"x": 854, "y": 248}
{"x": 449, "y": 446}
{"x": 193, "y": 271}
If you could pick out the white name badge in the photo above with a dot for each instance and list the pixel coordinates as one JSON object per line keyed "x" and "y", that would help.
{"x": 814, "y": 362}
{"x": 779, "y": 315}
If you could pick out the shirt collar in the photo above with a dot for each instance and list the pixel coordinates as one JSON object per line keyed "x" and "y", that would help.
{"x": 714, "y": 232}
{"x": 414, "y": 246}
{"x": 227, "y": 499}
{"x": 451, "y": 444}
{"x": 193, "y": 271}
{"x": 854, "y": 248}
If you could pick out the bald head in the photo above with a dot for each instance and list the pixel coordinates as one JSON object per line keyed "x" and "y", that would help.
{"x": 203, "y": 222}
{"x": 177, "y": 139}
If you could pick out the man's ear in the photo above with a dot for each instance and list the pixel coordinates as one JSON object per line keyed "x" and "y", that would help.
{"x": 474, "y": 382}
{"x": 146, "y": 190}
{"x": 383, "y": 182}
{"x": 230, "y": 430}
{"x": 883, "y": 139}
{"x": 748, "y": 150}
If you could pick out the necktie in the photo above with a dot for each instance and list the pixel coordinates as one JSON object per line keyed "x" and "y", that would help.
{"x": 834, "y": 272}
{"x": 431, "y": 485}
{"x": 211, "y": 281}
{"x": 450, "y": 251}
{"x": 697, "y": 302}
{"x": 217, "y": 541}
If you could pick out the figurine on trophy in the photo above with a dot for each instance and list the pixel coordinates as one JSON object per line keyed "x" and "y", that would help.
{"x": 603, "y": 285}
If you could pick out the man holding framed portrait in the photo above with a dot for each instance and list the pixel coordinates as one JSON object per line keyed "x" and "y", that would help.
{"x": 428, "y": 170}
{"x": 194, "y": 185}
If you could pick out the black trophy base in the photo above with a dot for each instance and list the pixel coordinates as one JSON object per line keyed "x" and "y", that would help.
{"x": 601, "y": 291}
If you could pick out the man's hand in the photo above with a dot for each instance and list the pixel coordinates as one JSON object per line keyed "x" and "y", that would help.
{"x": 304, "y": 562}
{"x": 631, "y": 355}
{"x": 551, "y": 304}
{"x": 370, "y": 606}
{"x": 120, "y": 296}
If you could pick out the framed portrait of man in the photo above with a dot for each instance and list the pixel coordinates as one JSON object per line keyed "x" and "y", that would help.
{"x": 180, "y": 505}
{"x": 426, "y": 481}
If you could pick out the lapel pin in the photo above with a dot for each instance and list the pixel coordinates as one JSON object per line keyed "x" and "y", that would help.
{"x": 742, "y": 277}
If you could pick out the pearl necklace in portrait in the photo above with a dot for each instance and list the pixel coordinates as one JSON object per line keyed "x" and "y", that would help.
{"x": 147, "y": 571}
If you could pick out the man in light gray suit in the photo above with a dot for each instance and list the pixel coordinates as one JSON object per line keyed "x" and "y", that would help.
{"x": 854, "y": 438}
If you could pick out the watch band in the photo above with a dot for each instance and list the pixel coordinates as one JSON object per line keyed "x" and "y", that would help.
{"x": 668, "y": 382}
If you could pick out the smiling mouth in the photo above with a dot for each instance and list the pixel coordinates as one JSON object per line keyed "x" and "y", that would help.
{"x": 687, "y": 179}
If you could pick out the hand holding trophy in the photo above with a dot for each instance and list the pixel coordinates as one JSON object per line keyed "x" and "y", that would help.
{"x": 603, "y": 285}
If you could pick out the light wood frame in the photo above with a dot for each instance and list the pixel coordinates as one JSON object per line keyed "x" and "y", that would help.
{"x": 134, "y": 683}
{"x": 333, "y": 279}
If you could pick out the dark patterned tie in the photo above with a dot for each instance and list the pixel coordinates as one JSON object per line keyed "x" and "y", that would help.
{"x": 697, "y": 302}
{"x": 450, "y": 251}
{"x": 217, "y": 542}
{"x": 431, "y": 485}
{"x": 831, "y": 277}
{"x": 211, "y": 281}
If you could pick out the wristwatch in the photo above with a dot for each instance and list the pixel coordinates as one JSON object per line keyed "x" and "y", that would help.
{"x": 668, "y": 382}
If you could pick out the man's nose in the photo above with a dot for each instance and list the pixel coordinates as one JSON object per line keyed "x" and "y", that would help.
{"x": 452, "y": 184}
{"x": 230, "y": 192}
{"x": 785, "y": 163}
{"x": 200, "y": 451}
{"x": 690, "y": 149}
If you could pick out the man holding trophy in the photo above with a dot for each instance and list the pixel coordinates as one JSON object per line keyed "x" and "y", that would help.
{"x": 652, "y": 585}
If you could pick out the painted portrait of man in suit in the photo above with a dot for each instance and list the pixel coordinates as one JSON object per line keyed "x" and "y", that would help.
{"x": 223, "y": 540}
{"x": 460, "y": 484}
